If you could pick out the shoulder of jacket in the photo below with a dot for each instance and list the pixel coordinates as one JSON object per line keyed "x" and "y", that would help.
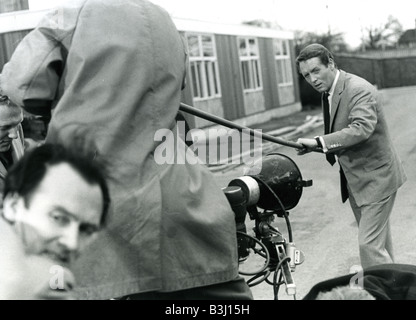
{"x": 354, "y": 83}
{"x": 357, "y": 80}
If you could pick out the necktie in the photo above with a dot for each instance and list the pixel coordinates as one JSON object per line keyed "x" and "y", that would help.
{"x": 327, "y": 119}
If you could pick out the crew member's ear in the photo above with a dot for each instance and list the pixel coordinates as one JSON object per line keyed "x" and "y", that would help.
{"x": 10, "y": 207}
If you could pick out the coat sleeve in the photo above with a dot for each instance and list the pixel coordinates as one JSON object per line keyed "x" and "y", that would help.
{"x": 362, "y": 121}
{"x": 32, "y": 75}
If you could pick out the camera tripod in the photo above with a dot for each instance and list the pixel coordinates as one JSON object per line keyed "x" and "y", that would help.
{"x": 280, "y": 256}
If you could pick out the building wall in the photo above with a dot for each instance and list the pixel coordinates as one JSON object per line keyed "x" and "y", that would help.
{"x": 250, "y": 106}
{"x": 232, "y": 103}
{"x": 253, "y": 102}
{"x": 13, "y": 5}
{"x": 213, "y": 106}
{"x": 230, "y": 75}
{"x": 295, "y": 72}
{"x": 270, "y": 86}
{"x": 9, "y": 41}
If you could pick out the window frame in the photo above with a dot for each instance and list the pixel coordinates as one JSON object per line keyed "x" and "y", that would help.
{"x": 206, "y": 67}
{"x": 254, "y": 64}
{"x": 284, "y": 60}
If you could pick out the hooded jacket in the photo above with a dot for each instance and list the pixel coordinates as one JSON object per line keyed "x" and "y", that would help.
{"x": 112, "y": 71}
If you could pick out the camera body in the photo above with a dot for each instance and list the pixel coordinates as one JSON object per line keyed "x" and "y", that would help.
{"x": 276, "y": 189}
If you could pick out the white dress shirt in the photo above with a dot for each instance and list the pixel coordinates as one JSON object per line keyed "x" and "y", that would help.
{"x": 330, "y": 94}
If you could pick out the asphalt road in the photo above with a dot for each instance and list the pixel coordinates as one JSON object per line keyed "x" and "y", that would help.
{"x": 324, "y": 228}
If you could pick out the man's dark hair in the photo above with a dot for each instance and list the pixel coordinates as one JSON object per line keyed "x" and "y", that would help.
{"x": 315, "y": 50}
{"x": 25, "y": 175}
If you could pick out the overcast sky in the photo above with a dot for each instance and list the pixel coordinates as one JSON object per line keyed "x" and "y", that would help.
{"x": 351, "y": 17}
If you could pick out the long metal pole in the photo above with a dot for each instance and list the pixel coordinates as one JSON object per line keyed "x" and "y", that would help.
{"x": 210, "y": 117}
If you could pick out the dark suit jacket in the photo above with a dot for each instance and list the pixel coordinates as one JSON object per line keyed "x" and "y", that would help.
{"x": 360, "y": 138}
{"x": 383, "y": 282}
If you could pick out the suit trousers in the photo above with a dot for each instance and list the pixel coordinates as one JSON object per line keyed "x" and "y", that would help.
{"x": 374, "y": 234}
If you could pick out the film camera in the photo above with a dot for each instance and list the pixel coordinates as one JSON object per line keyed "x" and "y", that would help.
{"x": 276, "y": 188}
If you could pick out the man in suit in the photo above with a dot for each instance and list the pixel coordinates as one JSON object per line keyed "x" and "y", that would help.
{"x": 356, "y": 133}
{"x": 11, "y": 136}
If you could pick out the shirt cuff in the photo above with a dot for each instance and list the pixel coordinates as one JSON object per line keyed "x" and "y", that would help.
{"x": 324, "y": 148}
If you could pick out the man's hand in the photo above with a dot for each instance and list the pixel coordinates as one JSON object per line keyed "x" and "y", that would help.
{"x": 309, "y": 145}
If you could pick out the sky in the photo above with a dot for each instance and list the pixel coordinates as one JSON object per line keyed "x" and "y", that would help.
{"x": 351, "y": 17}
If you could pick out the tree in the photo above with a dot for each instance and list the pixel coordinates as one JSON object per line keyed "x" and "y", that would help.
{"x": 333, "y": 41}
{"x": 384, "y": 36}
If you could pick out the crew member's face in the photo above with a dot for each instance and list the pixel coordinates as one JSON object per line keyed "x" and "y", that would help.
{"x": 319, "y": 76}
{"x": 62, "y": 215}
{"x": 10, "y": 118}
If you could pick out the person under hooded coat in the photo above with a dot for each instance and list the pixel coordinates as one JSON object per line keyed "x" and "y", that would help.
{"x": 112, "y": 71}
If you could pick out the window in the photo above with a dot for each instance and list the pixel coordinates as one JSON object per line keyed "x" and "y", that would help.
{"x": 283, "y": 62}
{"x": 203, "y": 66}
{"x": 250, "y": 63}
